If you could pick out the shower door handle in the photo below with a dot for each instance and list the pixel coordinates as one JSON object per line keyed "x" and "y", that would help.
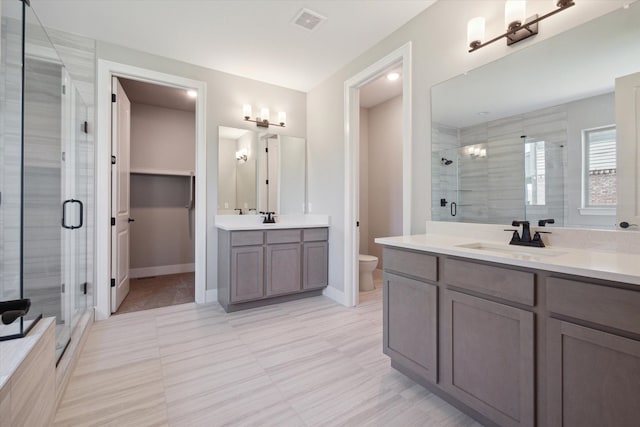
{"x": 454, "y": 208}
{"x": 64, "y": 214}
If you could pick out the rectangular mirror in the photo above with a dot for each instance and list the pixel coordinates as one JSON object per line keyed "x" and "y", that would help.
{"x": 533, "y": 134}
{"x": 260, "y": 172}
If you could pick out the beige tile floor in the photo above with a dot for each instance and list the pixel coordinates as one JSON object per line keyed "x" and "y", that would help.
{"x": 310, "y": 362}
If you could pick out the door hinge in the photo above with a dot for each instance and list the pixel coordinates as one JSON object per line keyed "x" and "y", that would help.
{"x": 113, "y": 160}
{"x": 84, "y": 288}
{"x": 85, "y": 127}
{"x": 113, "y": 283}
{"x": 267, "y": 182}
{"x": 63, "y": 156}
{"x": 266, "y": 150}
{"x": 357, "y": 223}
{"x": 64, "y": 89}
{"x": 62, "y": 288}
{"x": 113, "y": 221}
{"x": 113, "y": 97}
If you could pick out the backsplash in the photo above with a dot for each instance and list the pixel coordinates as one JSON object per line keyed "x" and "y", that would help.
{"x": 596, "y": 240}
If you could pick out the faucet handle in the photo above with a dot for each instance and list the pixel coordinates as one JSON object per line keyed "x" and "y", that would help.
{"x": 543, "y": 222}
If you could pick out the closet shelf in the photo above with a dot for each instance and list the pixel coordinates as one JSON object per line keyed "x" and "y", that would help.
{"x": 141, "y": 171}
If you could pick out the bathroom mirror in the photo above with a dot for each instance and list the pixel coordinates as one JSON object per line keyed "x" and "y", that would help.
{"x": 533, "y": 134}
{"x": 260, "y": 172}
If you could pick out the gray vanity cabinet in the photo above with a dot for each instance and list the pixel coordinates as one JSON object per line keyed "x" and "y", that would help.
{"x": 315, "y": 258}
{"x": 489, "y": 359}
{"x": 593, "y": 354}
{"x": 283, "y": 262}
{"x": 258, "y": 267}
{"x": 247, "y": 266}
{"x": 410, "y": 311}
{"x": 411, "y": 324}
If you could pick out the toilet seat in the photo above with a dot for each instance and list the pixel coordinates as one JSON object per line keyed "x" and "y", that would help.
{"x": 367, "y": 258}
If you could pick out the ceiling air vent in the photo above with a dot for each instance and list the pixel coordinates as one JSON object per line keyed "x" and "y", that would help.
{"x": 308, "y": 19}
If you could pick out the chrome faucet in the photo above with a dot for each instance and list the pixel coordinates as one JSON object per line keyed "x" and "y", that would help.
{"x": 525, "y": 239}
{"x": 11, "y": 310}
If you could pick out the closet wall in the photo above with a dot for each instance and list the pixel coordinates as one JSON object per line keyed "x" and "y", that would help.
{"x": 162, "y": 165}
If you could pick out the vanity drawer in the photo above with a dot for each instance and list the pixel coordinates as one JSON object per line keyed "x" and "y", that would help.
{"x": 512, "y": 285}
{"x": 283, "y": 236}
{"x": 315, "y": 234}
{"x": 608, "y": 306}
{"x": 247, "y": 238}
{"x": 411, "y": 263}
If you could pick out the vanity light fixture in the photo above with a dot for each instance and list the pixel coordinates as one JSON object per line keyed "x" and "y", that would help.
{"x": 263, "y": 119}
{"x": 518, "y": 28}
{"x": 241, "y": 155}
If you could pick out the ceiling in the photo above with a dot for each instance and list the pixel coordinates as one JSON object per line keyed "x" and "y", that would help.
{"x": 161, "y": 96}
{"x": 255, "y": 39}
{"x": 381, "y": 89}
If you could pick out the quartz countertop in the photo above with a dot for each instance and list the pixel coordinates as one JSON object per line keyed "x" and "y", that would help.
{"x": 254, "y": 222}
{"x": 614, "y": 266}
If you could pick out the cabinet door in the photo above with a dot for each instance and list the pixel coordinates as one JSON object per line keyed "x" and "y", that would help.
{"x": 247, "y": 273}
{"x": 283, "y": 269}
{"x": 410, "y": 324}
{"x": 315, "y": 265}
{"x": 489, "y": 359}
{"x": 593, "y": 377}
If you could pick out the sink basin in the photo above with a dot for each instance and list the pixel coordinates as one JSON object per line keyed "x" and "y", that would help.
{"x": 523, "y": 252}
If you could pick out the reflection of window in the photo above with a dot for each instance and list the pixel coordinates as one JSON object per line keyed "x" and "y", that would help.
{"x": 534, "y": 173}
{"x": 599, "y": 167}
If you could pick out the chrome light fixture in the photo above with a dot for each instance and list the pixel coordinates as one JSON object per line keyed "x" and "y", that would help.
{"x": 263, "y": 119}
{"x": 242, "y": 155}
{"x": 518, "y": 28}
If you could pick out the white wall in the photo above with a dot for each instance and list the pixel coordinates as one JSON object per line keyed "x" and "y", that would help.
{"x": 363, "y": 208}
{"x": 226, "y": 94}
{"x": 438, "y": 37}
{"x": 385, "y": 172}
{"x": 162, "y": 138}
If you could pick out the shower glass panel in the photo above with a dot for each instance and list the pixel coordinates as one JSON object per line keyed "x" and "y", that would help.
{"x": 11, "y": 162}
{"x": 46, "y": 180}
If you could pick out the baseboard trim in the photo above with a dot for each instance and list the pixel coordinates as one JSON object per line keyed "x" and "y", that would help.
{"x": 161, "y": 270}
{"x": 211, "y": 296}
{"x": 336, "y": 295}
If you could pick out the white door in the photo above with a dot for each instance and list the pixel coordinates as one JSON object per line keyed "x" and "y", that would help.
{"x": 628, "y": 151}
{"x": 120, "y": 136}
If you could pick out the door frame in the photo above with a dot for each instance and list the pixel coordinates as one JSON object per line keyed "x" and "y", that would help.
{"x": 352, "y": 86}
{"x": 107, "y": 70}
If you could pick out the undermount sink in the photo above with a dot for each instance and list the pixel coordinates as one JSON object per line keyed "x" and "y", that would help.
{"x": 515, "y": 251}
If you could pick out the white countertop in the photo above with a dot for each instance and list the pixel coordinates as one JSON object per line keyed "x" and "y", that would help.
{"x": 614, "y": 266}
{"x": 254, "y": 222}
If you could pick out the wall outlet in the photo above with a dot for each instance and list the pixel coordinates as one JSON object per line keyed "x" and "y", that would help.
{"x": 226, "y": 205}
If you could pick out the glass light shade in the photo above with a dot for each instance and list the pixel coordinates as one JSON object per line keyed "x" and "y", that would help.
{"x": 246, "y": 110}
{"x": 264, "y": 114}
{"x": 475, "y": 30}
{"x": 514, "y": 11}
{"x": 282, "y": 117}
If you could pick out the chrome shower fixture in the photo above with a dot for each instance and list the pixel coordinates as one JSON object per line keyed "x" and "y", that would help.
{"x": 446, "y": 162}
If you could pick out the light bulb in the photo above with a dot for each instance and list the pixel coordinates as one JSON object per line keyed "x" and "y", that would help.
{"x": 515, "y": 12}
{"x": 246, "y": 111}
{"x": 475, "y": 31}
{"x": 264, "y": 114}
{"x": 282, "y": 117}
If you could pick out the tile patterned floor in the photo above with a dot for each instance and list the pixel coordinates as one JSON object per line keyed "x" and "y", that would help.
{"x": 159, "y": 291}
{"x": 309, "y": 362}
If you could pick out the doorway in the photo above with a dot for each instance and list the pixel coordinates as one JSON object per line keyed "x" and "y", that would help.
{"x": 152, "y": 196}
{"x": 107, "y": 70}
{"x": 398, "y": 59}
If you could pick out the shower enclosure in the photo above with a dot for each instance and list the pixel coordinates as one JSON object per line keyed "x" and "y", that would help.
{"x": 46, "y": 180}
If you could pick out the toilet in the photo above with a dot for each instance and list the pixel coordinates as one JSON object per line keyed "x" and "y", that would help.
{"x": 368, "y": 263}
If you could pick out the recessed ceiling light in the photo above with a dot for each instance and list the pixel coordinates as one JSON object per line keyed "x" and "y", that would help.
{"x": 192, "y": 93}
{"x": 393, "y": 76}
